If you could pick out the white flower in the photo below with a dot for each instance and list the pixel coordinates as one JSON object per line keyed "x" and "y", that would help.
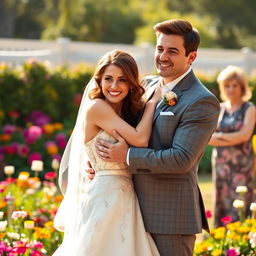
{"x": 55, "y": 164}
{"x": 1, "y": 215}
{"x": 241, "y": 189}
{"x": 3, "y": 225}
{"x": 14, "y": 236}
{"x": 238, "y": 203}
{"x": 37, "y": 165}
{"x": 30, "y": 191}
{"x": 252, "y": 236}
{"x": 253, "y": 207}
{"x": 9, "y": 169}
{"x": 169, "y": 98}
{"x": 19, "y": 214}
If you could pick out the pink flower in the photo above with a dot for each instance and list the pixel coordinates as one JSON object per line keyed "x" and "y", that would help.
{"x": 50, "y": 175}
{"x": 22, "y": 150}
{"x": 232, "y": 252}
{"x": 19, "y": 214}
{"x": 225, "y": 220}
{"x": 37, "y": 245}
{"x": 20, "y": 247}
{"x": 34, "y": 132}
{"x": 36, "y": 253}
{"x": 208, "y": 214}
{"x": 34, "y": 156}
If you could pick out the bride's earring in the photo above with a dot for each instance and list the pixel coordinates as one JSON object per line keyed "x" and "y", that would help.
{"x": 130, "y": 90}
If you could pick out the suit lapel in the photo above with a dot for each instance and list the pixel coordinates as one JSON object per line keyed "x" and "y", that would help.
{"x": 184, "y": 84}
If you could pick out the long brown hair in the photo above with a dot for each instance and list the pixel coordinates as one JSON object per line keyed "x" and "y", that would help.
{"x": 133, "y": 102}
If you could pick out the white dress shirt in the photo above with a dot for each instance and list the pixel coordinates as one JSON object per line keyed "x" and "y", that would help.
{"x": 165, "y": 88}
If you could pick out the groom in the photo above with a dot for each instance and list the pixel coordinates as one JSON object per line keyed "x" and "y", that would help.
{"x": 165, "y": 174}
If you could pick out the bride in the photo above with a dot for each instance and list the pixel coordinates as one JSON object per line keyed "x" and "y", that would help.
{"x": 102, "y": 217}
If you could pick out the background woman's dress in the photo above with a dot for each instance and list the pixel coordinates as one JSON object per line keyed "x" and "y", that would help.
{"x": 110, "y": 222}
{"x": 232, "y": 167}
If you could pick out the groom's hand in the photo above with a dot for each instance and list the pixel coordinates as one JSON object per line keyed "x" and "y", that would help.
{"x": 110, "y": 152}
{"x": 90, "y": 171}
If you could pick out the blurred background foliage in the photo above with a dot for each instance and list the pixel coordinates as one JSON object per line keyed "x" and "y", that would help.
{"x": 229, "y": 24}
{"x": 57, "y": 92}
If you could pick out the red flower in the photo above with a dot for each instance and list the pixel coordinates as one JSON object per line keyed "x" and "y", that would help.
{"x": 50, "y": 175}
{"x": 225, "y": 220}
{"x": 208, "y": 214}
{"x": 14, "y": 114}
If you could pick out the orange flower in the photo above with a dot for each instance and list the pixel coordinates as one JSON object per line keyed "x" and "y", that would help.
{"x": 52, "y": 149}
{"x": 2, "y": 204}
{"x": 48, "y": 128}
{"x": 58, "y": 126}
{"x": 2, "y": 235}
{"x": 5, "y": 137}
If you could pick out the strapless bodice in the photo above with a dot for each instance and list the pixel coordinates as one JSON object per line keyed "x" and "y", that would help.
{"x": 97, "y": 163}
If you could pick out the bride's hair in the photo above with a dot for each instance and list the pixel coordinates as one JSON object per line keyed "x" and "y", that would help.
{"x": 133, "y": 102}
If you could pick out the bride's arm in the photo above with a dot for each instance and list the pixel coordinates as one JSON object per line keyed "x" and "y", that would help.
{"x": 101, "y": 114}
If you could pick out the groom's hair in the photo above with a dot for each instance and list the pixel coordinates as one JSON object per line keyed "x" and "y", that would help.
{"x": 183, "y": 28}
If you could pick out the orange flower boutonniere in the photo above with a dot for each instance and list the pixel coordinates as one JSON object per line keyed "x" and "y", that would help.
{"x": 170, "y": 98}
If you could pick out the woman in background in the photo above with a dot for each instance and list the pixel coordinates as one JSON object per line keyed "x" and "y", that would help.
{"x": 232, "y": 158}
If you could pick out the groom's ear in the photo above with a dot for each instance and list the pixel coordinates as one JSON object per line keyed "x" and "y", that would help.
{"x": 192, "y": 57}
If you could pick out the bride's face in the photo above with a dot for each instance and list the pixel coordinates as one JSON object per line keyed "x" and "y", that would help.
{"x": 114, "y": 84}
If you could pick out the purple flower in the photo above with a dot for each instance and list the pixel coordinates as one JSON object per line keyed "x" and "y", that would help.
{"x": 61, "y": 140}
{"x": 9, "y": 129}
{"x": 38, "y": 118}
{"x": 58, "y": 157}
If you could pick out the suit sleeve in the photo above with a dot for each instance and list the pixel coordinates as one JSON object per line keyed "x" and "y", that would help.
{"x": 192, "y": 134}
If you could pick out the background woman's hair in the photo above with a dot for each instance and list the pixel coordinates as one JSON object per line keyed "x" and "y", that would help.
{"x": 233, "y": 73}
{"x": 133, "y": 102}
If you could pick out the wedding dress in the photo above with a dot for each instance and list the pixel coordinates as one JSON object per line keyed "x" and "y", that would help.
{"x": 110, "y": 223}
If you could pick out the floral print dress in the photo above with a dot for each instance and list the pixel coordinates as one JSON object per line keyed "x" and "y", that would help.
{"x": 232, "y": 167}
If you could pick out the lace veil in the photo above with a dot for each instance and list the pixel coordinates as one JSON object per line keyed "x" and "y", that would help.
{"x": 72, "y": 175}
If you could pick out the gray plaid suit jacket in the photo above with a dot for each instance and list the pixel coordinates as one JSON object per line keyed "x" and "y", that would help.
{"x": 165, "y": 173}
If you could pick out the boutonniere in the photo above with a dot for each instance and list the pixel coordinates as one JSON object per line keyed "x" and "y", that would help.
{"x": 170, "y": 98}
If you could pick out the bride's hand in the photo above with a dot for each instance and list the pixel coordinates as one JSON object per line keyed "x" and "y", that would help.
{"x": 157, "y": 95}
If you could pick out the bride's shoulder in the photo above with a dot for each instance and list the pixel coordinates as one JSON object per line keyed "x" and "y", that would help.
{"x": 98, "y": 105}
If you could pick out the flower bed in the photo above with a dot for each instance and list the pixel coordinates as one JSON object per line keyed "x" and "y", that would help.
{"x": 27, "y": 210}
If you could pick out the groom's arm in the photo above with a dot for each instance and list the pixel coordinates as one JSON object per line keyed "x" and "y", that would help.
{"x": 192, "y": 134}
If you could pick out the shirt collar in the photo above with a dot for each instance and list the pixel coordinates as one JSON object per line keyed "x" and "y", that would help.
{"x": 169, "y": 86}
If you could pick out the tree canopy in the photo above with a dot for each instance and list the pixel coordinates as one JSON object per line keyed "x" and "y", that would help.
{"x": 229, "y": 24}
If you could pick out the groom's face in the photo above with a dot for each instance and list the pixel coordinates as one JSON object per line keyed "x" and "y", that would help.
{"x": 170, "y": 58}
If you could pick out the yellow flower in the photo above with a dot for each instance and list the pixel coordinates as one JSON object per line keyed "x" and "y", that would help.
{"x": 254, "y": 143}
{"x": 217, "y": 252}
{"x": 49, "y": 224}
{"x": 244, "y": 230}
{"x": 41, "y": 233}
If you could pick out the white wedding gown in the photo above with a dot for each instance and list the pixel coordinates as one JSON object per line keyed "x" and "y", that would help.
{"x": 111, "y": 223}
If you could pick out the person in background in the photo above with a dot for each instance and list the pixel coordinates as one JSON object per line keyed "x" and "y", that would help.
{"x": 232, "y": 157}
